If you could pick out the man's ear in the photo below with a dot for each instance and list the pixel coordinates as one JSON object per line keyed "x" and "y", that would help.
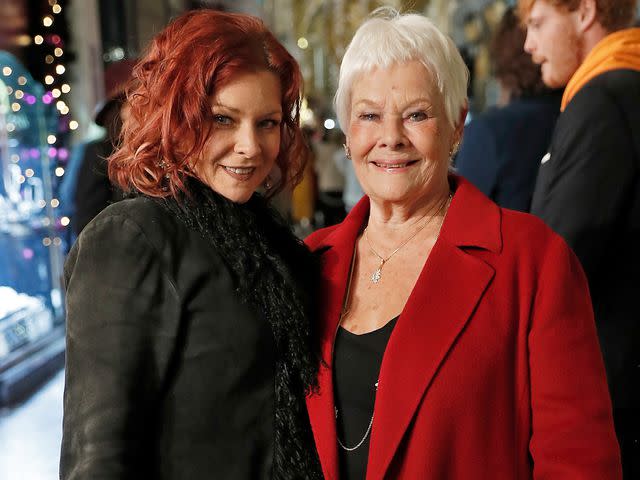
{"x": 587, "y": 14}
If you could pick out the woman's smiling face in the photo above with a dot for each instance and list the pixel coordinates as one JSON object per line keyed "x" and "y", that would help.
{"x": 244, "y": 142}
{"x": 398, "y": 132}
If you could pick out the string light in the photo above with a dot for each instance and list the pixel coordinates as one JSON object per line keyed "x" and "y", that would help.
{"x": 56, "y": 9}
{"x": 22, "y": 80}
{"x": 64, "y": 221}
{"x": 47, "y": 21}
{"x": 15, "y": 106}
{"x": 51, "y": 139}
{"x": 48, "y": 79}
{"x": 49, "y": 59}
{"x": 6, "y": 71}
{"x": 59, "y": 172}
{"x": 58, "y": 52}
{"x": 73, "y": 125}
{"x": 55, "y": 93}
{"x": 38, "y": 39}
{"x": 60, "y": 69}
{"x": 55, "y": 203}
{"x": 19, "y": 94}
{"x": 65, "y": 88}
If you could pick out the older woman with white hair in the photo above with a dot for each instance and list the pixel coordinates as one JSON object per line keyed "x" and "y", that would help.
{"x": 457, "y": 337}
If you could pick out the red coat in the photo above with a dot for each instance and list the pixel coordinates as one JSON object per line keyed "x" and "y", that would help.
{"x": 493, "y": 370}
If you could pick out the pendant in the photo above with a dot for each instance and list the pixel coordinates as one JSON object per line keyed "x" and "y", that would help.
{"x": 377, "y": 275}
{"x": 375, "y": 278}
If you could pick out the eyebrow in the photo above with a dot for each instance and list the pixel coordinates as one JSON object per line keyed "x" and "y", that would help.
{"x": 235, "y": 110}
{"x": 371, "y": 103}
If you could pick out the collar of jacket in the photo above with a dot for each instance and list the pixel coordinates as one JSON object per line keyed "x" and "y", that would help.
{"x": 617, "y": 51}
{"x": 450, "y": 286}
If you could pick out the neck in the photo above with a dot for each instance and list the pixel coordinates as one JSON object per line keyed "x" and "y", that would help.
{"x": 590, "y": 38}
{"x": 390, "y": 221}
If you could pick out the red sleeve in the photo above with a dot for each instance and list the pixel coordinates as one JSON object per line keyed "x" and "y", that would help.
{"x": 573, "y": 434}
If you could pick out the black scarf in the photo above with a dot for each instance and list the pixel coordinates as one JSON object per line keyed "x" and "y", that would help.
{"x": 277, "y": 276}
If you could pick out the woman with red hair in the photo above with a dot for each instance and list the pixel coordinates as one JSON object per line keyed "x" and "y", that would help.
{"x": 188, "y": 341}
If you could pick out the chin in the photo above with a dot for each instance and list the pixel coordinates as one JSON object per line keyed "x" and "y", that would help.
{"x": 237, "y": 195}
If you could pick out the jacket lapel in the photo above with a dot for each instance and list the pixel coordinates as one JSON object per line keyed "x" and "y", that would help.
{"x": 336, "y": 261}
{"x": 450, "y": 286}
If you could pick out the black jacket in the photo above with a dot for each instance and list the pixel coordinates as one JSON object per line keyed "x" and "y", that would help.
{"x": 588, "y": 190}
{"x": 170, "y": 373}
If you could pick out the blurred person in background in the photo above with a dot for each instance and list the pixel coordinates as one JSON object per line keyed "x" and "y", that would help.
{"x": 502, "y": 147}
{"x": 93, "y": 190}
{"x": 188, "y": 340}
{"x": 457, "y": 337}
{"x": 588, "y": 186}
{"x": 329, "y": 207}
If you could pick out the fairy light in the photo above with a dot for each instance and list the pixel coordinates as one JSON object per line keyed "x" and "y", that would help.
{"x": 65, "y": 221}
{"x": 51, "y": 139}
{"x": 60, "y": 69}
{"x": 29, "y": 173}
{"x": 22, "y": 80}
{"x": 55, "y": 203}
{"x": 46, "y": 241}
{"x": 65, "y": 88}
{"x": 55, "y": 93}
{"x": 56, "y": 9}
{"x": 59, "y": 172}
{"x": 48, "y": 79}
{"x": 19, "y": 94}
{"x": 6, "y": 71}
{"x": 73, "y": 125}
{"x": 38, "y": 39}
{"x": 47, "y": 21}
{"x": 58, "y": 52}
{"x": 15, "y": 106}
{"x": 49, "y": 59}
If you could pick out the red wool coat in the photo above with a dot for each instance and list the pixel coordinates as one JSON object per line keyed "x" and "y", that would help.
{"x": 493, "y": 370}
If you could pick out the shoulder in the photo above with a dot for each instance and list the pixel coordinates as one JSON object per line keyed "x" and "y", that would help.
{"x": 319, "y": 237}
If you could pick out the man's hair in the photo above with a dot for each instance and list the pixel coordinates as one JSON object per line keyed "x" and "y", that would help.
{"x": 612, "y": 14}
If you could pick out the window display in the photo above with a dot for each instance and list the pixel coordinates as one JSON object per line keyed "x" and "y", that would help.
{"x": 32, "y": 239}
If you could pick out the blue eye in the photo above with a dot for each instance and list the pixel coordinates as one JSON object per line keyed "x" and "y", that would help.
{"x": 418, "y": 116}
{"x": 222, "y": 119}
{"x": 368, "y": 116}
{"x": 269, "y": 123}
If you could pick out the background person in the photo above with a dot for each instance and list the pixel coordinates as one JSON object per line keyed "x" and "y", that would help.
{"x": 457, "y": 337}
{"x": 502, "y": 147}
{"x": 188, "y": 344}
{"x": 588, "y": 186}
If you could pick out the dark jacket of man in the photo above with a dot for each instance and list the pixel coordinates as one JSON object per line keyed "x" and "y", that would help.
{"x": 588, "y": 190}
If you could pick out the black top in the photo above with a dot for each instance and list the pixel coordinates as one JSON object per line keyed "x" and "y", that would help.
{"x": 357, "y": 360}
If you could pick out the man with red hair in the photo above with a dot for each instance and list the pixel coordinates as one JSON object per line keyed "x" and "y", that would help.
{"x": 588, "y": 186}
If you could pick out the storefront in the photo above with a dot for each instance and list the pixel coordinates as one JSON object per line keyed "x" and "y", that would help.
{"x": 32, "y": 234}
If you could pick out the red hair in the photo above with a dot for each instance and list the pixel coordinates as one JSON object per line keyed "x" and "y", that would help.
{"x": 612, "y": 14}
{"x": 169, "y": 99}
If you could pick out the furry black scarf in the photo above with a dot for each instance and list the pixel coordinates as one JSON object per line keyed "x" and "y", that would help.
{"x": 277, "y": 276}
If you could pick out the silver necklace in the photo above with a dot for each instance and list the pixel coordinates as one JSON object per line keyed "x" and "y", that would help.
{"x": 366, "y": 434}
{"x": 377, "y": 274}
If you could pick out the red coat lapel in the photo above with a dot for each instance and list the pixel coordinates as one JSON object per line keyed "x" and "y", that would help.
{"x": 450, "y": 286}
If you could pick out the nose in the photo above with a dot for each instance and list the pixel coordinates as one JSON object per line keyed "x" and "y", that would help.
{"x": 528, "y": 43}
{"x": 392, "y": 133}
{"x": 247, "y": 141}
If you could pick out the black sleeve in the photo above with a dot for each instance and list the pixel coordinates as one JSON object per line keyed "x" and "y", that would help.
{"x": 477, "y": 159}
{"x": 122, "y": 313}
{"x": 583, "y": 187}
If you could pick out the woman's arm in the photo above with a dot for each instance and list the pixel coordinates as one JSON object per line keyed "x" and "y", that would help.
{"x": 573, "y": 434}
{"x": 121, "y": 316}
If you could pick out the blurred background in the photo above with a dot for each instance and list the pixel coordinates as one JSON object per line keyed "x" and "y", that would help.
{"x": 62, "y": 64}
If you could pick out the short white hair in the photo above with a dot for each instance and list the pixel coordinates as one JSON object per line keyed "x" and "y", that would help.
{"x": 388, "y": 37}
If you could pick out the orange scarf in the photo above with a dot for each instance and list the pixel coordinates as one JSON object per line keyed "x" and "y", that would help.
{"x": 619, "y": 50}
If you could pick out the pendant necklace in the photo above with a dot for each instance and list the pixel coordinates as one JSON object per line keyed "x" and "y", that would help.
{"x": 377, "y": 275}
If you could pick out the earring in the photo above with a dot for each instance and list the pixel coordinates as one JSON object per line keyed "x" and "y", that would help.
{"x": 347, "y": 151}
{"x": 454, "y": 149}
{"x": 267, "y": 182}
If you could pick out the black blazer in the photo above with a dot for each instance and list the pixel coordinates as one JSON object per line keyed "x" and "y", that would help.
{"x": 168, "y": 374}
{"x": 588, "y": 190}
